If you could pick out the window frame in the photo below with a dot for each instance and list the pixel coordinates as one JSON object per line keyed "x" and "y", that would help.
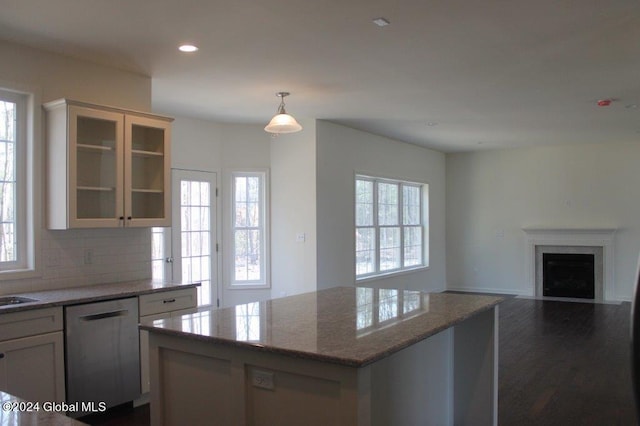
{"x": 376, "y": 226}
{"x": 264, "y": 281}
{"x": 28, "y": 175}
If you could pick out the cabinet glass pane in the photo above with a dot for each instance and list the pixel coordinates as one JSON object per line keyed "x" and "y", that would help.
{"x": 148, "y": 139}
{"x": 96, "y": 168}
{"x": 147, "y": 205}
{"x": 147, "y": 172}
{"x": 97, "y": 132}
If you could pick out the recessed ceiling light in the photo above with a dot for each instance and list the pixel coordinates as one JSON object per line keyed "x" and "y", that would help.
{"x": 188, "y": 48}
{"x": 381, "y": 22}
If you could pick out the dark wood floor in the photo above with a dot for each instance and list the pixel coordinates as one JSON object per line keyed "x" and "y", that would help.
{"x": 564, "y": 363}
{"x": 561, "y": 363}
{"x": 120, "y": 416}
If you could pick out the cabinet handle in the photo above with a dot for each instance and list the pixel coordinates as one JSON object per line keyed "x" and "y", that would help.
{"x": 128, "y": 217}
{"x": 169, "y": 301}
{"x": 103, "y": 315}
{"x": 121, "y": 217}
{"x": 1, "y": 356}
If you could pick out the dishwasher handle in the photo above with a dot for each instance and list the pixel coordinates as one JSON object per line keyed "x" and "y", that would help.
{"x": 112, "y": 314}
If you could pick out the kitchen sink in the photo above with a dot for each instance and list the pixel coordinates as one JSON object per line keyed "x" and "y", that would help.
{"x": 15, "y": 300}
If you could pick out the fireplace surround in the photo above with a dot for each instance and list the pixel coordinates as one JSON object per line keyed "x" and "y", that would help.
{"x": 598, "y": 242}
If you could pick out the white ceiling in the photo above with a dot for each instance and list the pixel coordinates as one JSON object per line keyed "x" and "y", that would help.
{"x": 491, "y": 73}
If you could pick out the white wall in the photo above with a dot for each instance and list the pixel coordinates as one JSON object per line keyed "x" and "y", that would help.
{"x": 492, "y": 195}
{"x": 117, "y": 254}
{"x": 196, "y": 145}
{"x": 54, "y": 76}
{"x": 341, "y": 153}
{"x": 293, "y": 211}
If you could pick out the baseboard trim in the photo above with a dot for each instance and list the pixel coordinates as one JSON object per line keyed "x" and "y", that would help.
{"x": 529, "y": 296}
{"x": 485, "y": 290}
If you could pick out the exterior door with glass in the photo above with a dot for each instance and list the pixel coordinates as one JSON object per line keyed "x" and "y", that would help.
{"x": 193, "y": 232}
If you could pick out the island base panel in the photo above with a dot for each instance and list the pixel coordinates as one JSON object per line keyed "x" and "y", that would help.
{"x": 196, "y": 383}
{"x": 449, "y": 378}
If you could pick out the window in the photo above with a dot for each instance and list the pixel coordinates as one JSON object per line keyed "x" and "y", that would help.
{"x": 249, "y": 230}
{"x": 158, "y": 255}
{"x": 15, "y": 239}
{"x": 390, "y": 226}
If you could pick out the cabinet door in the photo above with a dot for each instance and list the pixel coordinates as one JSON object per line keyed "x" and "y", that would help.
{"x": 32, "y": 368}
{"x": 159, "y": 306}
{"x": 144, "y": 344}
{"x": 95, "y": 168}
{"x": 147, "y": 190}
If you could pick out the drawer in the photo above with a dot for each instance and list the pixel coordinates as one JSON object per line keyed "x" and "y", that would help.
{"x": 168, "y": 301}
{"x": 28, "y": 323}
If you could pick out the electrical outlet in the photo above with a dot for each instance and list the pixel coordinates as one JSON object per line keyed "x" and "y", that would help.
{"x": 53, "y": 259}
{"x": 301, "y": 237}
{"x": 88, "y": 256}
{"x": 262, "y": 379}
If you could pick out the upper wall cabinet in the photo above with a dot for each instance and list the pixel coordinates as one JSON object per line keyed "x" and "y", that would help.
{"x": 106, "y": 167}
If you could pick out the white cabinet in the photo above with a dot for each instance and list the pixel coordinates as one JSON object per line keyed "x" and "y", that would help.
{"x": 157, "y": 306}
{"x": 106, "y": 167}
{"x": 32, "y": 355}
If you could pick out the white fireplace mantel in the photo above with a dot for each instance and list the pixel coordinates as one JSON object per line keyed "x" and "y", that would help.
{"x": 567, "y": 237}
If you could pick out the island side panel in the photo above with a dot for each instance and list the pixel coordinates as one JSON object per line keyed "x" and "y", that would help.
{"x": 414, "y": 386}
{"x": 476, "y": 370}
{"x": 193, "y": 382}
{"x": 191, "y": 385}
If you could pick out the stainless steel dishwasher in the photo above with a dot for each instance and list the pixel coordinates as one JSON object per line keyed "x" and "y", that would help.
{"x": 102, "y": 353}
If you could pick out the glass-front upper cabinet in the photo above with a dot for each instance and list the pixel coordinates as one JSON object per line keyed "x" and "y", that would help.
{"x": 106, "y": 167}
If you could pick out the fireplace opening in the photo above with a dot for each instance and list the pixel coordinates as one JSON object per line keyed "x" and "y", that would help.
{"x": 568, "y": 275}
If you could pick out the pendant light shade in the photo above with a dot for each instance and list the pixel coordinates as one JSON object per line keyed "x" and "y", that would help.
{"x": 282, "y": 122}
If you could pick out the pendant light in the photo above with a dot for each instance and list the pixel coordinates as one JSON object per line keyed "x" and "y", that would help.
{"x": 282, "y": 122}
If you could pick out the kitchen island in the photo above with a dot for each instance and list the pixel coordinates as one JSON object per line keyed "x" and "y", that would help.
{"x": 341, "y": 356}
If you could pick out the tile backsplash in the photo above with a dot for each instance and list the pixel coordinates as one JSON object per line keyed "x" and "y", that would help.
{"x": 79, "y": 257}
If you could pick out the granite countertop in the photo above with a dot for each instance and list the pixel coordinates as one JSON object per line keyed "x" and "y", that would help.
{"x": 91, "y": 293}
{"x": 352, "y": 326}
{"x": 16, "y": 411}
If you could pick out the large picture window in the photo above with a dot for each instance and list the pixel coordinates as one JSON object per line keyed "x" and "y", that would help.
{"x": 390, "y": 226}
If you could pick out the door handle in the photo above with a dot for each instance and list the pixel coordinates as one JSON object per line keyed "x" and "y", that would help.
{"x": 103, "y": 315}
